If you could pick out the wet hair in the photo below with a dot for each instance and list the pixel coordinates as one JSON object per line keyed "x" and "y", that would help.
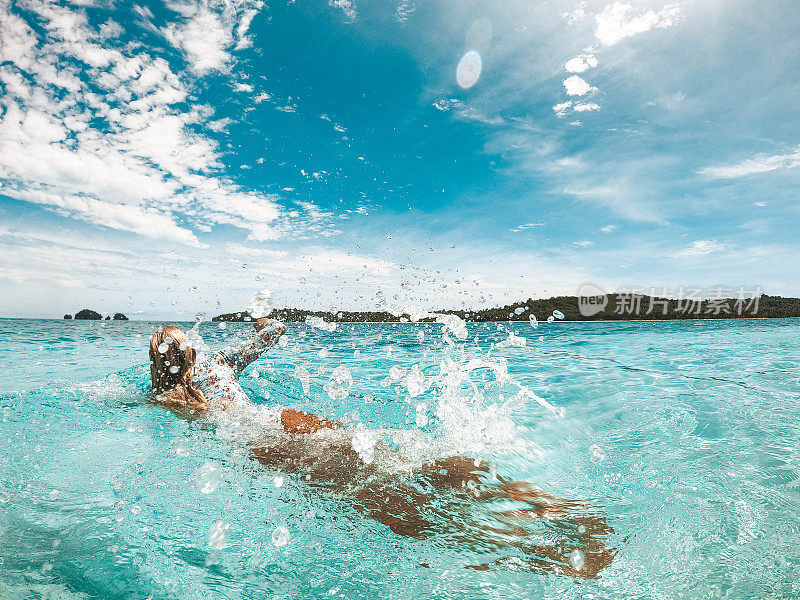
{"x": 171, "y": 363}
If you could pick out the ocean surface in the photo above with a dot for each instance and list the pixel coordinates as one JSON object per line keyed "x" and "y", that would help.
{"x": 684, "y": 436}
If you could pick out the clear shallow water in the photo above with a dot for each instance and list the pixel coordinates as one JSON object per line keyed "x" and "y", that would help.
{"x": 101, "y": 495}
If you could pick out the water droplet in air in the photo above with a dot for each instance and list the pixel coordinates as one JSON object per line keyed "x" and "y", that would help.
{"x": 209, "y": 477}
{"x": 558, "y": 314}
{"x": 324, "y": 353}
{"x": 260, "y": 304}
{"x": 218, "y": 535}
{"x": 174, "y": 369}
{"x": 162, "y": 348}
{"x": 550, "y": 319}
{"x": 534, "y": 322}
{"x": 363, "y": 443}
{"x": 577, "y": 559}
{"x": 340, "y": 383}
{"x": 396, "y": 372}
{"x": 279, "y": 480}
{"x": 422, "y": 415}
{"x": 223, "y": 325}
{"x": 304, "y": 377}
{"x": 280, "y": 537}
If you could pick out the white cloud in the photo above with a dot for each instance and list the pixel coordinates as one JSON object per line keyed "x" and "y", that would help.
{"x": 575, "y": 16}
{"x": 615, "y": 22}
{"x": 576, "y": 86}
{"x": 701, "y": 248}
{"x": 148, "y": 169}
{"x": 618, "y": 195}
{"x": 525, "y": 226}
{"x": 316, "y": 260}
{"x": 448, "y": 104}
{"x": 404, "y": 11}
{"x": 581, "y": 63}
{"x": 586, "y": 107}
{"x": 761, "y": 163}
{"x": 608, "y": 228}
{"x": 561, "y": 108}
{"x": 347, "y": 7}
{"x": 204, "y": 39}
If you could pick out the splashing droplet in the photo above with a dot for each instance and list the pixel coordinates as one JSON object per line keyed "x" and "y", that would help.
{"x": 218, "y": 535}
{"x": 577, "y": 559}
{"x": 597, "y": 453}
{"x": 280, "y": 537}
{"x": 340, "y": 383}
{"x": 209, "y": 477}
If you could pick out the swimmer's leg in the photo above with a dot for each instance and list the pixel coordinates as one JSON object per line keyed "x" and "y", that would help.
{"x": 296, "y": 421}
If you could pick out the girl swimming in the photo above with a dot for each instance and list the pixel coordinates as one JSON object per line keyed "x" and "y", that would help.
{"x": 453, "y": 500}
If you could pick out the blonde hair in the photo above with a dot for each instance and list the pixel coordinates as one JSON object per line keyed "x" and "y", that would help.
{"x": 171, "y": 363}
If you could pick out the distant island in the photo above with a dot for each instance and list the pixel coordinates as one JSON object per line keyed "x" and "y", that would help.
{"x": 616, "y": 307}
{"x": 90, "y": 315}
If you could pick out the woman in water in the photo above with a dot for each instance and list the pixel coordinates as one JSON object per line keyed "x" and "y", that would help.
{"x": 448, "y": 500}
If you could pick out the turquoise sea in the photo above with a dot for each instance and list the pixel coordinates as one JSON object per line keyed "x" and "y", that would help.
{"x": 685, "y": 436}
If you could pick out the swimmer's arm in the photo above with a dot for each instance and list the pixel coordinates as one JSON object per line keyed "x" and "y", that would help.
{"x": 268, "y": 333}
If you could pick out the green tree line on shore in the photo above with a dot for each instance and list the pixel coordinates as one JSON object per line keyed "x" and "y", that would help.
{"x": 617, "y": 307}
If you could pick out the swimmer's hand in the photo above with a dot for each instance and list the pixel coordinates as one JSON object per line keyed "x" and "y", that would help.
{"x": 273, "y": 326}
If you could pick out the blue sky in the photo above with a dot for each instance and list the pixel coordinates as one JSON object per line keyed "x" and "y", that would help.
{"x": 164, "y": 159}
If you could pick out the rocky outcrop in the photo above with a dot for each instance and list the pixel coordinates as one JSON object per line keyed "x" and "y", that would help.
{"x": 88, "y": 315}
{"x": 120, "y": 317}
{"x": 68, "y": 316}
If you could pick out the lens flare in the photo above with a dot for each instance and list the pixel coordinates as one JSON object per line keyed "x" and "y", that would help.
{"x": 469, "y": 69}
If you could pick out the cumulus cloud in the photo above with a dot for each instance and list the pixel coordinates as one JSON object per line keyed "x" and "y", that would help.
{"x": 581, "y": 63}
{"x": 616, "y": 21}
{"x": 761, "y": 163}
{"x": 576, "y": 86}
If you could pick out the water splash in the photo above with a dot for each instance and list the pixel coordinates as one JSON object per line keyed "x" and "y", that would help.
{"x": 260, "y": 304}
{"x": 320, "y": 323}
